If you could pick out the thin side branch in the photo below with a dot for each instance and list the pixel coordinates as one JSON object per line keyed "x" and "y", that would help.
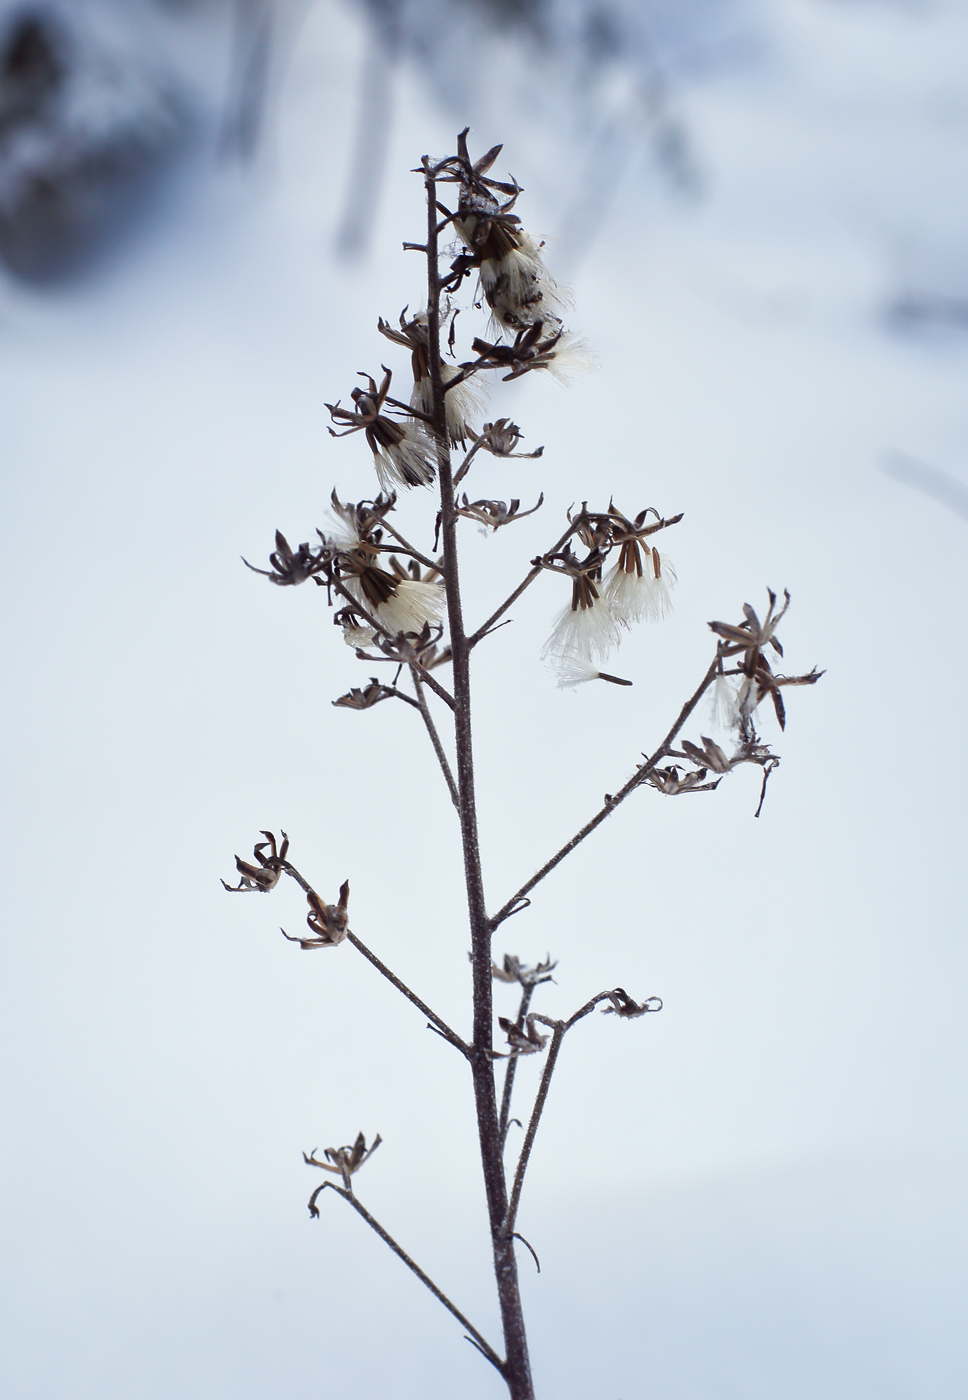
{"x": 428, "y": 1282}
{"x": 378, "y": 626}
{"x": 465, "y": 466}
{"x": 407, "y": 546}
{"x": 512, "y": 1063}
{"x": 637, "y": 779}
{"x": 485, "y": 627}
{"x": 440, "y": 1025}
{"x": 434, "y": 737}
{"x": 539, "y": 1103}
{"x": 559, "y": 1028}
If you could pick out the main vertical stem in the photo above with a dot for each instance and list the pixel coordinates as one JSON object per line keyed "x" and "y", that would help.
{"x": 517, "y": 1364}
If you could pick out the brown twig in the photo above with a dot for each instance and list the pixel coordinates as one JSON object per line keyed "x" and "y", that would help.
{"x": 434, "y": 737}
{"x": 636, "y": 780}
{"x": 474, "y": 1336}
{"x": 378, "y": 626}
{"x": 485, "y": 627}
{"x": 517, "y": 1372}
{"x": 558, "y": 1033}
{"x": 527, "y": 992}
{"x": 438, "y": 1023}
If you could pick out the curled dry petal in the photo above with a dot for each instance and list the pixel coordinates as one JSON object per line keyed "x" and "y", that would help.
{"x": 329, "y": 923}
{"x": 263, "y": 876}
{"x": 343, "y": 1161}
{"x": 623, "y": 1005}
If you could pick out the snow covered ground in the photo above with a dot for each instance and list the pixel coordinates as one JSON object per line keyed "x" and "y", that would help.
{"x": 759, "y": 1193}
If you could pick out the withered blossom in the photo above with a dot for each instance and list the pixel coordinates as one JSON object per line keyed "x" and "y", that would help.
{"x": 357, "y": 525}
{"x": 403, "y": 454}
{"x": 288, "y": 567}
{"x": 530, "y": 349}
{"x": 493, "y": 514}
{"x": 328, "y": 922}
{"x": 757, "y": 680}
{"x": 751, "y": 636}
{"x": 516, "y": 284}
{"x": 463, "y": 400}
{"x": 638, "y": 587}
{"x": 623, "y": 1005}
{"x": 264, "y": 876}
{"x": 501, "y": 438}
{"x": 513, "y": 970}
{"x": 418, "y": 649}
{"x": 588, "y": 628}
{"x": 670, "y": 782}
{"x": 365, "y": 698}
{"x": 400, "y": 599}
{"x": 710, "y": 755}
{"x": 523, "y": 1040}
{"x": 411, "y": 604}
{"x": 343, "y": 1161}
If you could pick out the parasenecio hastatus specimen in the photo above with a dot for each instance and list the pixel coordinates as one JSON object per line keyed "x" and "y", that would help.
{"x": 400, "y": 606}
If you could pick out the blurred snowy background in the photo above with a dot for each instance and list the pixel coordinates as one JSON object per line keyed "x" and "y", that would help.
{"x": 759, "y": 1193}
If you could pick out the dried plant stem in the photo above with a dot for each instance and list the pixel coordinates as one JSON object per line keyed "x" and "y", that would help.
{"x": 559, "y": 1028}
{"x": 474, "y": 1335}
{"x": 636, "y": 780}
{"x": 378, "y": 626}
{"x": 450, "y": 1036}
{"x": 406, "y": 546}
{"x": 485, "y": 627}
{"x": 465, "y": 466}
{"x": 434, "y": 737}
{"x": 517, "y": 1367}
{"x": 527, "y": 993}
{"x": 439, "y": 1024}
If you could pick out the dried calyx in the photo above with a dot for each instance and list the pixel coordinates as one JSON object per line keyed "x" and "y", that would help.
{"x": 513, "y": 970}
{"x": 754, "y": 676}
{"x": 604, "y": 606}
{"x": 343, "y": 1161}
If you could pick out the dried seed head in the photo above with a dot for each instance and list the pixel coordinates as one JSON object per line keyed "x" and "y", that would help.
{"x": 329, "y": 923}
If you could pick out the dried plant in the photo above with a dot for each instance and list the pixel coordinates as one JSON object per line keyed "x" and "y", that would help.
{"x": 397, "y": 604}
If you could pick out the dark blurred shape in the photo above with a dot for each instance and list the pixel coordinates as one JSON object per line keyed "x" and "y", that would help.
{"x": 242, "y": 125}
{"x": 912, "y": 310}
{"x": 931, "y": 480}
{"x": 86, "y": 125}
{"x": 600, "y": 76}
{"x": 30, "y": 69}
{"x": 374, "y": 119}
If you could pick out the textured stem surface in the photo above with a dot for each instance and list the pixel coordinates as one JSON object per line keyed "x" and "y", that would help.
{"x": 517, "y": 1367}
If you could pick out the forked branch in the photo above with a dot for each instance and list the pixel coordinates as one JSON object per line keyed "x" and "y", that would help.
{"x": 623, "y": 1004}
